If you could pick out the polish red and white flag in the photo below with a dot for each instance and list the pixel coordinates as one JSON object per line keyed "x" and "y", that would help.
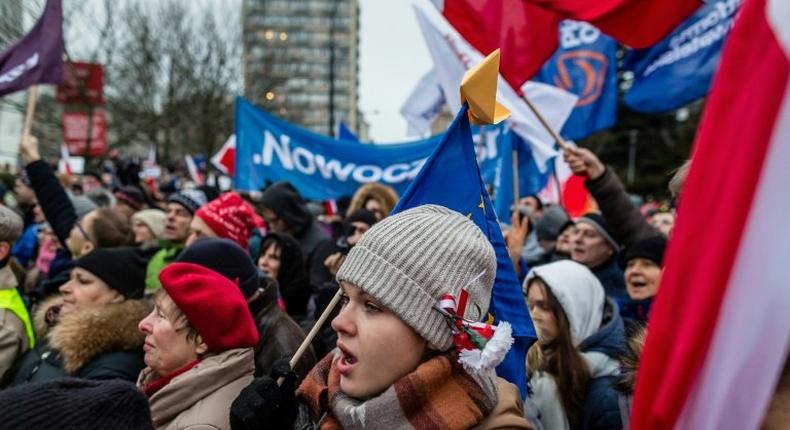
{"x": 720, "y": 327}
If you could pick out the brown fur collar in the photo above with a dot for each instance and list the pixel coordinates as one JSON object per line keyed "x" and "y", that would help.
{"x": 84, "y": 335}
{"x": 629, "y": 362}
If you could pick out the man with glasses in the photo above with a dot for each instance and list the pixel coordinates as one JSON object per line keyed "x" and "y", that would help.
{"x": 78, "y": 225}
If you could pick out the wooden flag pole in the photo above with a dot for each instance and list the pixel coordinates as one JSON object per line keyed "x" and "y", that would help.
{"x": 560, "y": 141}
{"x": 515, "y": 180}
{"x": 32, "y": 98}
{"x": 313, "y": 332}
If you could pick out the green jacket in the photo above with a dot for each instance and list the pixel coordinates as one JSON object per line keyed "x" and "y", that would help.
{"x": 162, "y": 258}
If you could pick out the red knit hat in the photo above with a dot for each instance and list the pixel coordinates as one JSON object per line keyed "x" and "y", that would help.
{"x": 230, "y": 217}
{"x": 212, "y": 304}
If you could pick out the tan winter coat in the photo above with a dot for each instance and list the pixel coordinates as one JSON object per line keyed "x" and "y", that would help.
{"x": 13, "y": 338}
{"x": 200, "y": 398}
{"x": 509, "y": 410}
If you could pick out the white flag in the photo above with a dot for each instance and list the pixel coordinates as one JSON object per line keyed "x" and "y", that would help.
{"x": 453, "y": 55}
{"x": 423, "y": 105}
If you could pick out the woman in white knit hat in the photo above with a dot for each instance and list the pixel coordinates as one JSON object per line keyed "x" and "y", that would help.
{"x": 148, "y": 226}
{"x": 573, "y": 364}
{"x": 412, "y": 348}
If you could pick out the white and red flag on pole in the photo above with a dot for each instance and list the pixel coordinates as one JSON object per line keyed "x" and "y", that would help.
{"x": 720, "y": 327}
{"x": 194, "y": 173}
{"x": 64, "y": 164}
{"x": 225, "y": 158}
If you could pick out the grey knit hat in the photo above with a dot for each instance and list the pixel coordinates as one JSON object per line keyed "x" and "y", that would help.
{"x": 190, "y": 199}
{"x": 11, "y": 225}
{"x": 409, "y": 260}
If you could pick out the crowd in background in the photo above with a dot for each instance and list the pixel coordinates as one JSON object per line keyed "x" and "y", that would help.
{"x": 199, "y": 297}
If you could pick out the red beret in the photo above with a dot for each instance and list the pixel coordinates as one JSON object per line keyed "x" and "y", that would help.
{"x": 213, "y": 305}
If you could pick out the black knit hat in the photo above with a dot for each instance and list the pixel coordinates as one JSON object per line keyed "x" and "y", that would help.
{"x": 651, "y": 249}
{"x": 598, "y": 222}
{"x": 122, "y": 269}
{"x": 225, "y": 257}
{"x": 362, "y": 215}
{"x": 132, "y": 196}
{"x": 71, "y": 403}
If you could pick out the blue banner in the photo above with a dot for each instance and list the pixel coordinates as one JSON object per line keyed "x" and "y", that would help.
{"x": 586, "y": 65}
{"x": 679, "y": 69}
{"x": 271, "y": 149}
{"x": 320, "y": 167}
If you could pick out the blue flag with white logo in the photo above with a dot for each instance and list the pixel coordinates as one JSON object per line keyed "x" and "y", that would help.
{"x": 451, "y": 178}
{"x": 586, "y": 65}
{"x": 679, "y": 69}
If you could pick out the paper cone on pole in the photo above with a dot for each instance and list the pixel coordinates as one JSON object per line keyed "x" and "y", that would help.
{"x": 478, "y": 89}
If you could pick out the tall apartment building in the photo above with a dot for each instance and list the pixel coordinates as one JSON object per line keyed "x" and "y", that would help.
{"x": 301, "y": 61}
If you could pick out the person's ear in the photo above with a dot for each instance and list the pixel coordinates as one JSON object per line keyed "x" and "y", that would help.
{"x": 200, "y": 347}
{"x": 5, "y": 250}
{"x": 87, "y": 247}
{"x": 117, "y": 297}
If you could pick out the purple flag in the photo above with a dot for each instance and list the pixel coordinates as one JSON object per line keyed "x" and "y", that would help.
{"x": 38, "y": 57}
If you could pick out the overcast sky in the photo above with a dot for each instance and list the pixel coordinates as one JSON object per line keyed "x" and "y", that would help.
{"x": 393, "y": 57}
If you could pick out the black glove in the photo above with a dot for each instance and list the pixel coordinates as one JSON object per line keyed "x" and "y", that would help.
{"x": 264, "y": 404}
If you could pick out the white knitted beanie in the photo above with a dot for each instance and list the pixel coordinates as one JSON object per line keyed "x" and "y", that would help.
{"x": 409, "y": 260}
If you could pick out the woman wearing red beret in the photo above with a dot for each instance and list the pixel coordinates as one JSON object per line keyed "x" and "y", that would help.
{"x": 198, "y": 347}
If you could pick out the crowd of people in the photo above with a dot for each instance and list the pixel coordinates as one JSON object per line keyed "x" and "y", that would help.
{"x": 175, "y": 306}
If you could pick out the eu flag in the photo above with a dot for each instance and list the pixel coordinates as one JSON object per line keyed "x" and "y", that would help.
{"x": 451, "y": 178}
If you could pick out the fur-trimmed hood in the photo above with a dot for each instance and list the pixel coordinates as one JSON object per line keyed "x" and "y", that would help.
{"x": 629, "y": 362}
{"x": 85, "y": 335}
{"x": 383, "y": 193}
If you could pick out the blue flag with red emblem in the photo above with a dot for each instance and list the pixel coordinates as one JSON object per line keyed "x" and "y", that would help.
{"x": 586, "y": 65}
{"x": 451, "y": 178}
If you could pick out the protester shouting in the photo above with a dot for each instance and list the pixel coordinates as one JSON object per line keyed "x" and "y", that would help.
{"x": 325, "y": 262}
{"x": 285, "y": 212}
{"x": 396, "y": 365}
{"x": 281, "y": 334}
{"x": 644, "y": 261}
{"x": 199, "y": 343}
{"x": 580, "y": 335}
{"x": 90, "y": 331}
{"x": 181, "y": 207}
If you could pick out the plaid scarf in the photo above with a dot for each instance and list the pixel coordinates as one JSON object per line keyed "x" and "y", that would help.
{"x": 439, "y": 394}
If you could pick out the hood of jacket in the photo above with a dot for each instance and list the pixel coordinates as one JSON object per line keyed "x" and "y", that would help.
{"x": 86, "y": 334}
{"x": 578, "y": 291}
{"x": 610, "y": 338}
{"x": 217, "y": 380}
{"x": 384, "y": 194}
{"x": 283, "y": 199}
